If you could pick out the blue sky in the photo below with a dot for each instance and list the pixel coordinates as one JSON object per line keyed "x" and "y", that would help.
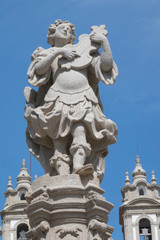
{"x": 133, "y": 102}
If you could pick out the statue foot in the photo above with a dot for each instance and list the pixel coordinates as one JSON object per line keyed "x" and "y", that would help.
{"x": 84, "y": 170}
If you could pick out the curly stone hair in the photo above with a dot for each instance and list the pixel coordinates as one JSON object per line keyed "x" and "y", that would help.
{"x": 52, "y": 29}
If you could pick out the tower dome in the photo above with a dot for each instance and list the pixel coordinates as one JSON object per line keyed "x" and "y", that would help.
{"x": 138, "y": 173}
{"x": 23, "y": 179}
{"x": 139, "y": 214}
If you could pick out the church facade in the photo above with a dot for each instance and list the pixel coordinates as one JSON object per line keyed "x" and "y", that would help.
{"x": 139, "y": 214}
{"x": 15, "y": 222}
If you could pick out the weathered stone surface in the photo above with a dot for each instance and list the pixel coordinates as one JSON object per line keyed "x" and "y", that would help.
{"x": 69, "y": 134}
{"x": 67, "y": 130}
{"x": 139, "y": 214}
{"x": 75, "y": 209}
{"x": 14, "y": 219}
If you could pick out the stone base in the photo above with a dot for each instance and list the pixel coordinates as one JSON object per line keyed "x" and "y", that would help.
{"x": 68, "y": 207}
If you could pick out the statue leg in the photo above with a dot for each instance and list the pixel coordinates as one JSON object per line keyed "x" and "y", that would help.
{"x": 80, "y": 149}
{"x": 60, "y": 161}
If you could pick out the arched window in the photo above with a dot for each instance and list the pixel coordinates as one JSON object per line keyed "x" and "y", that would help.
{"x": 21, "y": 231}
{"x": 22, "y": 196}
{"x": 141, "y": 191}
{"x": 145, "y": 229}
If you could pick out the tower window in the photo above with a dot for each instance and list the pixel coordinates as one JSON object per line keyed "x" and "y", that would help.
{"x": 145, "y": 229}
{"x": 22, "y": 197}
{"x": 21, "y": 231}
{"x": 141, "y": 192}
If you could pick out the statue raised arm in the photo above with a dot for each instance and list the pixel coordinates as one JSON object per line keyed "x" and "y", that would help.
{"x": 67, "y": 130}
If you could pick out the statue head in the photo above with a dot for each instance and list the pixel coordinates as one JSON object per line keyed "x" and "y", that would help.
{"x": 62, "y": 31}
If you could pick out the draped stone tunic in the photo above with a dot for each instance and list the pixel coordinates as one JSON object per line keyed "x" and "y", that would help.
{"x": 65, "y": 97}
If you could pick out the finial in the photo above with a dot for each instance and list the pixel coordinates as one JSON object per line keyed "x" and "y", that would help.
{"x": 23, "y": 163}
{"x": 137, "y": 159}
{"x": 35, "y": 176}
{"x": 127, "y": 181}
{"x": 153, "y": 177}
{"x": 9, "y": 186}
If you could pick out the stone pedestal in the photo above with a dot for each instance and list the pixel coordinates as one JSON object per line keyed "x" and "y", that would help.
{"x": 68, "y": 207}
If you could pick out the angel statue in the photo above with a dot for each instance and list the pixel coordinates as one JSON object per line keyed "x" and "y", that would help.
{"x": 67, "y": 130}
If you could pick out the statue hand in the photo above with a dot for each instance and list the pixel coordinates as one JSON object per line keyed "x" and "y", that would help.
{"x": 69, "y": 54}
{"x": 97, "y": 37}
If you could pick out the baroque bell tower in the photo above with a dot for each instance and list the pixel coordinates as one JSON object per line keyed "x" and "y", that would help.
{"x": 15, "y": 222}
{"x": 139, "y": 214}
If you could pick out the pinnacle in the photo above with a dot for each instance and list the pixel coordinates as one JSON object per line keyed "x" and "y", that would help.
{"x": 9, "y": 186}
{"x": 153, "y": 177}
{"x": 137, "y": 159}
{"x": 127, "y": 181}
{"x": 23, "y": 163}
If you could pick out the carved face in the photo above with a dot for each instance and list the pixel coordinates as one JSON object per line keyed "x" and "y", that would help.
{"x": 63, "y": 32}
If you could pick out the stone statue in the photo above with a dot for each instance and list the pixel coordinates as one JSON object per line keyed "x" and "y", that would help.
{"x": 69, "y": 135}
{"x": 67, "y": 130}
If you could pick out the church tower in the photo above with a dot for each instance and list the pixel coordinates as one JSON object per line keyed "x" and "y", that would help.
{"x": 140, "y": 212}
{"x": 14, "y": 219}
